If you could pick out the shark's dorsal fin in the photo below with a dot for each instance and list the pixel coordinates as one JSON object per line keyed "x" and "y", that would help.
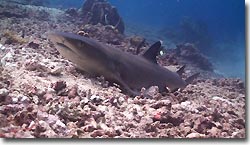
{"x": 180, "y": 71}
{"x": 153, "y": 51}
{"x": 190, "y": 79}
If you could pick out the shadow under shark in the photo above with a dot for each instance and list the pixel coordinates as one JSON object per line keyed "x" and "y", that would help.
{"x": 130, "y": 72}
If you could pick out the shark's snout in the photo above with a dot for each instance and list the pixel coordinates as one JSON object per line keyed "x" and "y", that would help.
{"x": 55, "y": 38}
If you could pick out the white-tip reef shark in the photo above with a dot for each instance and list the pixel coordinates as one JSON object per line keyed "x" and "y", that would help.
{"x": 130, "y": 72}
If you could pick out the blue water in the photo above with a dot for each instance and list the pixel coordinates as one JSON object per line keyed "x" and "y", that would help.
{"x": 222, "y": 25}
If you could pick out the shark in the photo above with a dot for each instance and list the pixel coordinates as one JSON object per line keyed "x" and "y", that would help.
{"x": 131, "y": 72}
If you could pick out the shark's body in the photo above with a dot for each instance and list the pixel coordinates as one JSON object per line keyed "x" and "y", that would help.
{"x": 129, "y": 71}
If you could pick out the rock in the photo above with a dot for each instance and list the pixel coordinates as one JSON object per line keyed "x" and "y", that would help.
{"x": 100, "y": 11}
{"x": 216, "y": 115}
{"x": 203, "y": 124}
{"x": 195, "y": 135}
{"x": 151, "y": 92}
{"x": 31, "y": 2}
{"x": 24, "y": 99}
{"x": 102, "y": 33}
{"x": 59, "y": 85}
{"x": 82, "y": 33}
{"x": 136, "y": 41}
{"x": 91, "y": 125}
{"x": 72, "y": 12}
{"x": 24, "y": 134}
{"x": 24, "y": 117}
{"x": 219, "y": 98}
{"x": 95, "y": 98}
{"x": 239, "y": 134}
{"x": 34, "y": 45}
{"x": 3, "y": 120}
{"x": 33, "y": 65}
{"x": 187, "y": 54}
{"x": 167, "y": 117}
{"x": 239, "y": 123}
{"x": 153, "y": 127}
{"x": 4, "y": 92}
{"x": 104, "y": 127}
{"x": 42, "y": 126}
{"x": 214, "y": 132}
{"x": 44, "y": 130}
{"x": 97, "y": 133}
{"x": 187, "y": 130}
{"x": 48, "y": 97}
{"x": 73, "y": 92}
{"x": 185, "y": 104}
{"x": 12, "y": 37}
{"x": 56, "y": 71}
{"x": 59, "y": 126}
{"x": 121, "y": 100}
{"x": 84, "y": 101}
{"x": 162, "y": 103}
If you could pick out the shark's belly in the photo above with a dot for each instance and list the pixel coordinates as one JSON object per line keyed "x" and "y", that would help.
{"x": 138, "y": 73}
{"x": 145, "y": 80}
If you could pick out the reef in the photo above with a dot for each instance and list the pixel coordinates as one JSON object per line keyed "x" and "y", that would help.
{"x": 188, "y": 55}
{"x": 103, "y": 33}
{"x": 100, "y": 11}
{"x": 29, "y": 2}
{"x": 43, "y": 95}
{"x": 190, "y": 31}
{"x": 12, "y": 9}
{"x": 12, "y": 38}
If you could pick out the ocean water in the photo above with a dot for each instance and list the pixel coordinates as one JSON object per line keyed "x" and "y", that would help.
{"x": 216, "y": 27}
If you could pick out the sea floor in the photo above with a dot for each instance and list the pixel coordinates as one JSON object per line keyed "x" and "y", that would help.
{"x": 43, "y": 95}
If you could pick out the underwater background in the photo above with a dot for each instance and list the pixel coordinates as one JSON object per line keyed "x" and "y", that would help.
{"x": 216, "y": 27}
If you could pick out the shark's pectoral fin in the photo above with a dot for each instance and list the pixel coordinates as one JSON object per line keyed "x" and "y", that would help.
{"x": 125, "y": 88}
{"x": 128, "y": 90}
{"x": 190, "y": 79}
{"x": 153, "y": 51}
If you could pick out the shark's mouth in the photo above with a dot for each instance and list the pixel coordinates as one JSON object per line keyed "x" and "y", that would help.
{"x": 62, "y": 45}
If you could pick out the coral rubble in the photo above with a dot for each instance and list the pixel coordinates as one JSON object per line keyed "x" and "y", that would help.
{"x": 42, "y": 95}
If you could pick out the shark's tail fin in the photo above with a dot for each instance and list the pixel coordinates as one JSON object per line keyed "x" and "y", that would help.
{"x": 190, "y": 79}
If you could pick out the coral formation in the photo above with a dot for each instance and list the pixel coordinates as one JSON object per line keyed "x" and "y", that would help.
{"x": 103, "y": 33}
{"x": 12, "y": 38}
{"x": 189, "y": 52}
{"x": 188, "y": 55}
{"x": 30, "y": 2}
{"x": 190, "y": 31}
{"x": 100, "y": 11}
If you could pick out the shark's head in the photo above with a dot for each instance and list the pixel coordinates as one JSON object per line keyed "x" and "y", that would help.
{"x": 69, "y": 44}
{"x": 66, "y": 42}
{"x": 84, "y": 52}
